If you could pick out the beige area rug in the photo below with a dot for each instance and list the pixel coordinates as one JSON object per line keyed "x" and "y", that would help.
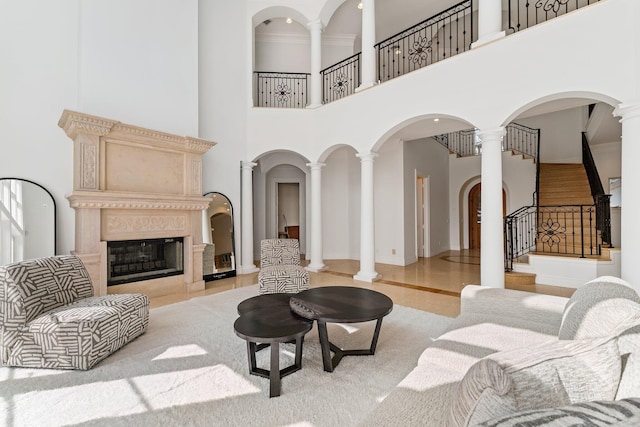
{"x": 190, "y": 369}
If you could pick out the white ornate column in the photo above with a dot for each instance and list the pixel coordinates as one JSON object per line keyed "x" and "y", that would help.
{"x": 317, "y": 263}
{"x": 491, "y": 234}
{"x": 629, "y": 114}
{"x": 367, "y": 271}
{"x": 489, "y": 22}
{"x": 315, "y": 27}
{"x": 368, "y": 66}
{"x": 247, "y": 265}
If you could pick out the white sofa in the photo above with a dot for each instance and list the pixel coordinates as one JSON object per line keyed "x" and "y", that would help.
{"x": 510, "y": 352}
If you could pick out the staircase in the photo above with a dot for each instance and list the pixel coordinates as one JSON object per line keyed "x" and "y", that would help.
{"x": 566, "y": 216}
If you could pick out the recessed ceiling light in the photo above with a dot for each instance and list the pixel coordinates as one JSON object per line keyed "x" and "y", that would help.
{"x": 360, "y": 5}
{"x": 289, "y": 20}
{"x": 436, "y": 120}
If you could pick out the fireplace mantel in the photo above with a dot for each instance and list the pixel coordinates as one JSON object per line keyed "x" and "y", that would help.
{"x": 135, "y": 183}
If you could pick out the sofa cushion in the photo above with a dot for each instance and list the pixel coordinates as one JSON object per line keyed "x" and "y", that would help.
{"x": 600, "y": 413}
{"x": 79, "y": 335}
{"x": 629, "y": 345}
{"x": 547, "y": 375}
{"x": 605, "y": 306}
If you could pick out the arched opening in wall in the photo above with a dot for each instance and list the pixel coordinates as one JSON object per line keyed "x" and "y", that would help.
{"x": 280, "y": 198}
{"x": 474, "y": 203}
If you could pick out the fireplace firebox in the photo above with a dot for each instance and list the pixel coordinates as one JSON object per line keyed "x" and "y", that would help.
{"x": 136, "y": 260}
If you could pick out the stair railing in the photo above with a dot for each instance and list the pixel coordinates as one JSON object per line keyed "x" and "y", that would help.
{"x": 553, "y": 230}
{"x": 518, "y": 138}
{"x": 601, "y": 200}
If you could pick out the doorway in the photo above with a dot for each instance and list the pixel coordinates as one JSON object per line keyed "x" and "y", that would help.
{"x": 475, "y": 214}
{"x": 423, "y": 238}
{"x": 288, "y": 196}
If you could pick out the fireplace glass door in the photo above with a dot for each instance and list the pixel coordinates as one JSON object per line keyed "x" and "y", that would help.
{"x": 135, "y": 260}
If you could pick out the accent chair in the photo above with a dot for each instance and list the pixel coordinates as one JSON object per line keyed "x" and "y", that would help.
{"x": 280, "y": 269}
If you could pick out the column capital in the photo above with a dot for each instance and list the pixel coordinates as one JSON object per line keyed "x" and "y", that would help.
{"x": 316, "y": 165}
{"x": 367, "y": 157}
{"x": 488, "y": 134}
{"x": 627, "y": 110}
{"x": 248, "y": 165}
{"x": 316, "y": 24}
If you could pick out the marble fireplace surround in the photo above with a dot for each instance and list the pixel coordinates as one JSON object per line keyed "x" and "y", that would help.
{"x": 133, "y": 183}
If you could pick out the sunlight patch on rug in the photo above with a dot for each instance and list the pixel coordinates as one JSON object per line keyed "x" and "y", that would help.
{"x": 134, "y": 395}
{"x": 181, "y": 351}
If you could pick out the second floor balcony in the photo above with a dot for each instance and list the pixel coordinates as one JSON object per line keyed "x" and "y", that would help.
{"x": 447, "y": 33}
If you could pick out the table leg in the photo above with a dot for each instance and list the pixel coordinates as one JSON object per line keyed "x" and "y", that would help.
{"x": 325, "y": 346}
{"x": 274, "y": 370}
{"x": 251, "y": 351}
{"x": 374, "y": 340}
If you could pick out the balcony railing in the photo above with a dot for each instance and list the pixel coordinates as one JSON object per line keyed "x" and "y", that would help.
{"x": 443, "y": 35}
{"x": 341, "y": 79}
{"x": 281, "y": 90}
{"x": 527, "y": 13}
{"x": 439, "y": 37}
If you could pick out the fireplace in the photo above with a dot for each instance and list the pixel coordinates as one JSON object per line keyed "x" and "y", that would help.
{"x": 136, "y": 260}
{"x": 137, "y": 196}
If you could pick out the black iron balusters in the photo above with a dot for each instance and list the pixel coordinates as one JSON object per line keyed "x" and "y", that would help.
{"x": 443, "y": 35}
{"x": 527, "y": 13}
{"x": 281, "y": 90}
{"x": 341, "y": 79}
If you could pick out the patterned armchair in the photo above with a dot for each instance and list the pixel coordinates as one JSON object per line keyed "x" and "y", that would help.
{"x": 280, "y": 270}
{"x": 49, "y": 317}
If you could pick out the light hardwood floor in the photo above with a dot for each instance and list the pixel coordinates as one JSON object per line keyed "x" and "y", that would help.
{"x": 431, "y": 284}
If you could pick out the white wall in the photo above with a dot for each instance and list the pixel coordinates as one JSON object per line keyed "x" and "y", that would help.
{"x": 430, "y": 160}
{"x": 38, "y": 79}
{"x": 388, "y": 182}
{"x": 139, "y": 63}
{"x": 560, "y": 134}
{"x": 224, "y": 76}
{"x": 341, "y": 205}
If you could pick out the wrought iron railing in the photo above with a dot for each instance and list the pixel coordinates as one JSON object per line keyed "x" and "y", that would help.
{"x": 341, "y": 79}
{"x": 281, "y": 90}
{"x": 464, "y": 143}
{"x": 527, "y": 13}
{"x": 443, "y": 35}
{"x": 597, "y": 191}
{"x": 559, "y": 230}
{"x": 518, "y": 138}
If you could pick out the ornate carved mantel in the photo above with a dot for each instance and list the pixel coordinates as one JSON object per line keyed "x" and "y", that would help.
{"x": 135, "y": 183}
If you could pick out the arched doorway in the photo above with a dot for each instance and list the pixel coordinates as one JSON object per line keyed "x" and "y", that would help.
{"x": 475, "y": 214}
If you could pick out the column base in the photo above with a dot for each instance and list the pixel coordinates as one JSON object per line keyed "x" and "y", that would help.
{"x": 313, "y": 106}
{"x": 248, "y": 269}
{"x": 488, "y": 39}
{"x": 316, "y": 268}
{"x": 367, "y": 277}
{"x": 364, "y": 86}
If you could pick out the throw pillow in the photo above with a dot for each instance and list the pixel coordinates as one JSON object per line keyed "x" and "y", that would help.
{"x": 602, "y": 307}
{"x": 552, "y": 374}
{"x": 596, "y": 414}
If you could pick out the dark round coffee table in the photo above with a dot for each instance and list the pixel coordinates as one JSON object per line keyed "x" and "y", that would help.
{"x": 264, "y": 301}
{"x": 341, "y": 304}
{"x": 272, "y": 324}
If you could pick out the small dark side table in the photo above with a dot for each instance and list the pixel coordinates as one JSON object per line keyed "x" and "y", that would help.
{"x": 341, "y": 304}
{"x": 267, "y": 319}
